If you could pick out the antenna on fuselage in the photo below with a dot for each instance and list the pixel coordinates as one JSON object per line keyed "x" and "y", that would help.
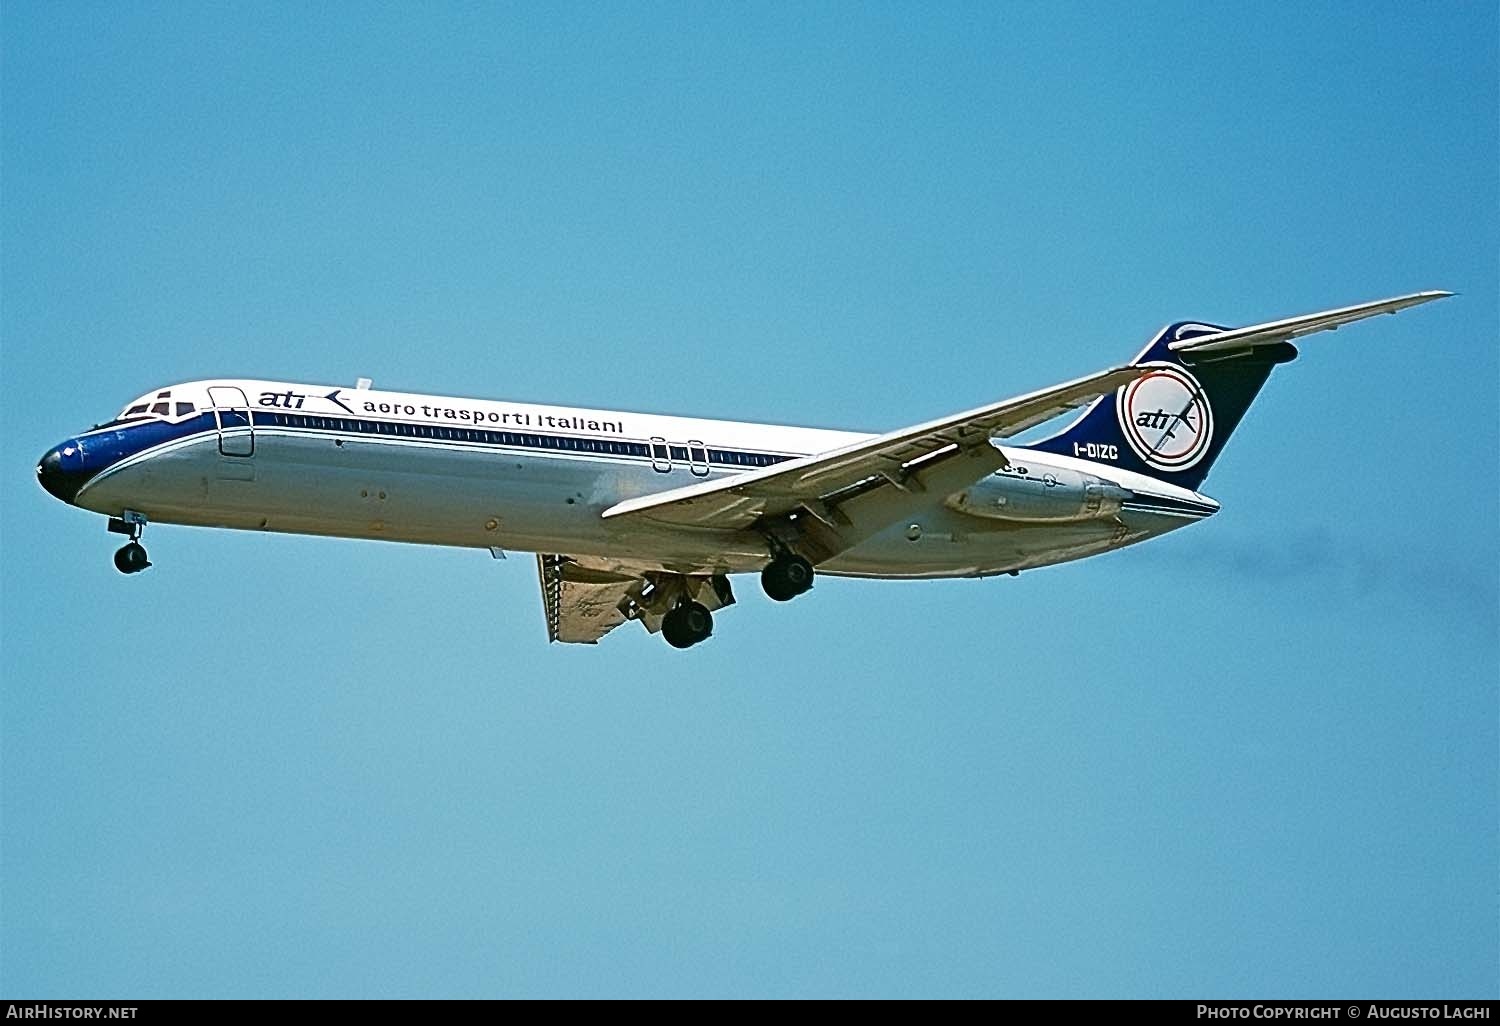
{"x": 363, "y": 384}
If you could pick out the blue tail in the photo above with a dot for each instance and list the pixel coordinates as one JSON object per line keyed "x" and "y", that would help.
{"x": 1172, "y": 423}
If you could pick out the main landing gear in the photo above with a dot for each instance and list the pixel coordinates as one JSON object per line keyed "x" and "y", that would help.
{"x": 689, "y": 621}
{"x": 786, "y": 576}
{"x": 679, "y": 606}
{"x": 686, "y": 624}
{"x": 131, "y": 558}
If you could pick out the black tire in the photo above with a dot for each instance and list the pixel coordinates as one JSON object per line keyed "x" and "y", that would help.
{"x": 686, "y": 625}
{"x": 131, "y": 559}
{"x": 786, "y": 577}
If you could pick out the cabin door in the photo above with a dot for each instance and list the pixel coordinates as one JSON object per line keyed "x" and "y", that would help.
{"x": 234, "y": 420}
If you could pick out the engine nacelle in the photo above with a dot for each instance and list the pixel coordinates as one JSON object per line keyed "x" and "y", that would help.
{"x": 1039, "y": 495}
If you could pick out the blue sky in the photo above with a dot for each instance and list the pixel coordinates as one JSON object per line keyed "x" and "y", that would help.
{"x": 1256, "y": 758}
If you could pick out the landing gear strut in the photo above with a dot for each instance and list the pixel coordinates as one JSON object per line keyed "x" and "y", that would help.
{"x": 786, "y": 576}
{"x": 130, "y": 559}
{"x": 687, "y": 624}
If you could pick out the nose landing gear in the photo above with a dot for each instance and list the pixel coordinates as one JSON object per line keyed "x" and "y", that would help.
{"x": 131, "y": 558}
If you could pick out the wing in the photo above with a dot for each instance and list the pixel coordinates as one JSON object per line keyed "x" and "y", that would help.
{"x": 820, "y": 482}
{"x": 583, "y": 605}
{"x": 1295, "y": 327}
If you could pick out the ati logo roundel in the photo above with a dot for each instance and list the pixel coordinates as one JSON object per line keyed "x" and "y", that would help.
{"x": 1166, "y": 418}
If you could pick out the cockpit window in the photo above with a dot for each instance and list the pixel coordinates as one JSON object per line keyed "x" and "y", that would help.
{"x": 160, "y": 405}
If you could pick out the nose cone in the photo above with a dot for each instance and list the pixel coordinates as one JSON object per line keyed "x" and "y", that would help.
{"x": 61, "y": 471}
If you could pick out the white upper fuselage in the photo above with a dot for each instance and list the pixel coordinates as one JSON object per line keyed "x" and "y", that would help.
{"x": 362, "y": 463}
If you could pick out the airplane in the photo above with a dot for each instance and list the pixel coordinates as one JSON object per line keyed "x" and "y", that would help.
{"x": 643, "y": 517}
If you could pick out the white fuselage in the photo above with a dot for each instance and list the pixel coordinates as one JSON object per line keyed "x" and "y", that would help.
{"x": 361, "y": 463}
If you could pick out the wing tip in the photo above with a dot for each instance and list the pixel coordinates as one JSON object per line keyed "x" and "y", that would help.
{"x": 1400, "y": 303}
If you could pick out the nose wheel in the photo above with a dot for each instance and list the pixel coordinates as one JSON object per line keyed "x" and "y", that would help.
{"x": 131, "y": 558}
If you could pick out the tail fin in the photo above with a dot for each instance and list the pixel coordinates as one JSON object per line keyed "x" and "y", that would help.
{"x": 1173, "y": 423}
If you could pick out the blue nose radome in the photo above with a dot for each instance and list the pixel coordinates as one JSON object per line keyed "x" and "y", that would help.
{"x": 61, "y": 471}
